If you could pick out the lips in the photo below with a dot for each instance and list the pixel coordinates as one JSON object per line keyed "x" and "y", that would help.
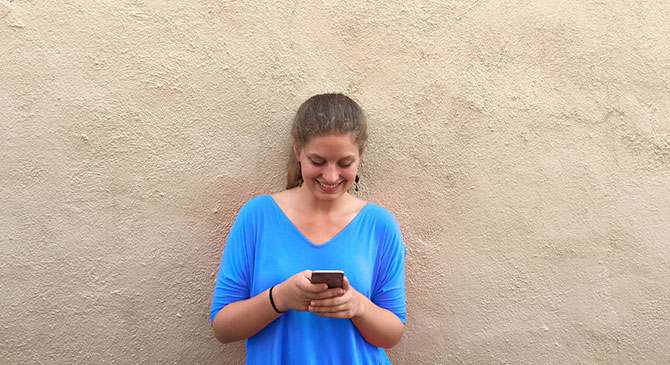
{"x": 328, "y": 187}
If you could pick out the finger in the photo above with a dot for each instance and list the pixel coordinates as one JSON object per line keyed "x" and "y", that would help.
{"x": 337, "y": 293}
{"x": 334, "y": 306}
{"x": 307, "y": 274}
{"x": 307, "y": 286}
{"x": 330, "y": 293}
{"x": 315, "y": 288}
{"x": 340, "y": 312}
{"x": 345, "y": 284}
{"x": 330, "y": 302}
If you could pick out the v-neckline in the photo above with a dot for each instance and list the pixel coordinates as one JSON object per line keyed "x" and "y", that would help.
{"x": 301, "y": 234}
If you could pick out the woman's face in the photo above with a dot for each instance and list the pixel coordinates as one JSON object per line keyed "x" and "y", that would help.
{"x": 329, "y": 165}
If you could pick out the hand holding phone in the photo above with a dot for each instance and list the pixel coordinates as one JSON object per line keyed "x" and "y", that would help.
{"x": 331, "y": 277}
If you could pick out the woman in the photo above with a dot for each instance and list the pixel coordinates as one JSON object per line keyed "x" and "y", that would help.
{"x": 263, "y": 290}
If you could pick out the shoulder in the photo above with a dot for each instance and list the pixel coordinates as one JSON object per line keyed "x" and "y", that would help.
{"x": 381, "y": 214}
{"x": 386, "y": 231}
{"x": 258, "y": 200}
{"x": 382, "y": 223}
{"x": 255, "y": 204}
{"x": 284, "y": 198}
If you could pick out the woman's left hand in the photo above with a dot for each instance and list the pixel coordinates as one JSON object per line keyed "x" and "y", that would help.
{"x": 348, "y": 305}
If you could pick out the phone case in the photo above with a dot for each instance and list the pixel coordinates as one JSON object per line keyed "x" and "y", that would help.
{"x": 332, "y": 278}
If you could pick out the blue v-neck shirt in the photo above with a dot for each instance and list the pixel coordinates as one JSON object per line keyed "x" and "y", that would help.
{"x": 264, "y": 248}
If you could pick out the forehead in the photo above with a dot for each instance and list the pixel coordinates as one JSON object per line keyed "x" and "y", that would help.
{"x": 333, "y": 144}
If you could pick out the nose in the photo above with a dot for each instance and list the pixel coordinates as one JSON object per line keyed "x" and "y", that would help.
{"x": 330, "y": 174}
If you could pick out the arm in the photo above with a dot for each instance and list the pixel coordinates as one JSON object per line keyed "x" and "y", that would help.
{"x": 378, "y": 326}
{"x": 243, "y": 319}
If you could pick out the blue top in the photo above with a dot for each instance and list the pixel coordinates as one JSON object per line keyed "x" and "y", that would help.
{"x": 264, "y": 248}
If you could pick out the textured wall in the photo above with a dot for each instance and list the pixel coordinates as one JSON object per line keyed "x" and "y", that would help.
{"x": 524, "y": 147}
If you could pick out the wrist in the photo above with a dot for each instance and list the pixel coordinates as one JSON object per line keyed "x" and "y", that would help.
{"x": 278, "y": 298}
{"x": 362, "y": 304}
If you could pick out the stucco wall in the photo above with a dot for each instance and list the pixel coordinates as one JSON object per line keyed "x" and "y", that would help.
{"x": 524, "y": 147}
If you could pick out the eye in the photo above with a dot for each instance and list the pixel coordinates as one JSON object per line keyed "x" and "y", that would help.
{"x": 345, "y": 165}
{"x": 316, "y": 163}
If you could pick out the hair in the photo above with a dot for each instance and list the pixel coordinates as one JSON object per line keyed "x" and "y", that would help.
{"x": 323, "y": 115}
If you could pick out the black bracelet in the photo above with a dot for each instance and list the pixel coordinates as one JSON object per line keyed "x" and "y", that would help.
{"x": 273, "y": 302}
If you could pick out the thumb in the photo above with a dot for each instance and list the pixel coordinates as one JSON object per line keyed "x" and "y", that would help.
{"x": 345, "y": 283}
{"x": 307, "y": 274}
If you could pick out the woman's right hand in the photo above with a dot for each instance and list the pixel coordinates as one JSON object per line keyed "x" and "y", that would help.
{"x": 297, "y": 292}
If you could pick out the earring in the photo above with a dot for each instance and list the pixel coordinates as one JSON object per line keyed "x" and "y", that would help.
{"x": 356, "y": 180}
{"x": 299, "y": 174}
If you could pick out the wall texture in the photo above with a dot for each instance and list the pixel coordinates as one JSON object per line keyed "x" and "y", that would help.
{"x": 524, "y": 147}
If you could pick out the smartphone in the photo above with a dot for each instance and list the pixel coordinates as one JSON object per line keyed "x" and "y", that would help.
{"x": 331, "y": 277}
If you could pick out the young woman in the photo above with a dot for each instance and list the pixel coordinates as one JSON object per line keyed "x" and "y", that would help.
{"x": 264, "y": 292}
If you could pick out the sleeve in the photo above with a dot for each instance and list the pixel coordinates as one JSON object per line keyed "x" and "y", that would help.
{"x": 234, "y": 279}
{"x": 389, "y": 289}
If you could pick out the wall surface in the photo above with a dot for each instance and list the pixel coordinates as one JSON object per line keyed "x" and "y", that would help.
{"x": 524, "y": 147}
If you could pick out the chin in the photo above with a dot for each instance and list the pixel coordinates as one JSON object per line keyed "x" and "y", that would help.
{"x": 327, "y": 196}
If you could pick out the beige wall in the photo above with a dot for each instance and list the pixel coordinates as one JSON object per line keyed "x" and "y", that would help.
{"x": 524, "y": 147}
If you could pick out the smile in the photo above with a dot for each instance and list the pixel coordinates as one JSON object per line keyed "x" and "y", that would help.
{"x": 329, "y": 187}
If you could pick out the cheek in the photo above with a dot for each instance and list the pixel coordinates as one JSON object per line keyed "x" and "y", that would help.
{"x": 309, "y": 171}
{"x": 350, "y": 174}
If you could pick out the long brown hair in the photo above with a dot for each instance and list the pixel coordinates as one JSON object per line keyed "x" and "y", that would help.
{"x": 323, "y": 115}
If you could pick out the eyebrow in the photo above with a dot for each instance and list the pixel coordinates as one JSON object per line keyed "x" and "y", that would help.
{"x": 310, "y": 155}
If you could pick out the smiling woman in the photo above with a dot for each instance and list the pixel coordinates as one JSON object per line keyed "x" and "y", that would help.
{"x": 264, "y": 292}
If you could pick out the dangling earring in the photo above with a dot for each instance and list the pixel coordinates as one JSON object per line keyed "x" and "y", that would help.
{"x": 356, "y": 180}
{"x": 299, "y": 174}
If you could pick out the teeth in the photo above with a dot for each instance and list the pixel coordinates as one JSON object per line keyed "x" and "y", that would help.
{"x": 328, "y": 186}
